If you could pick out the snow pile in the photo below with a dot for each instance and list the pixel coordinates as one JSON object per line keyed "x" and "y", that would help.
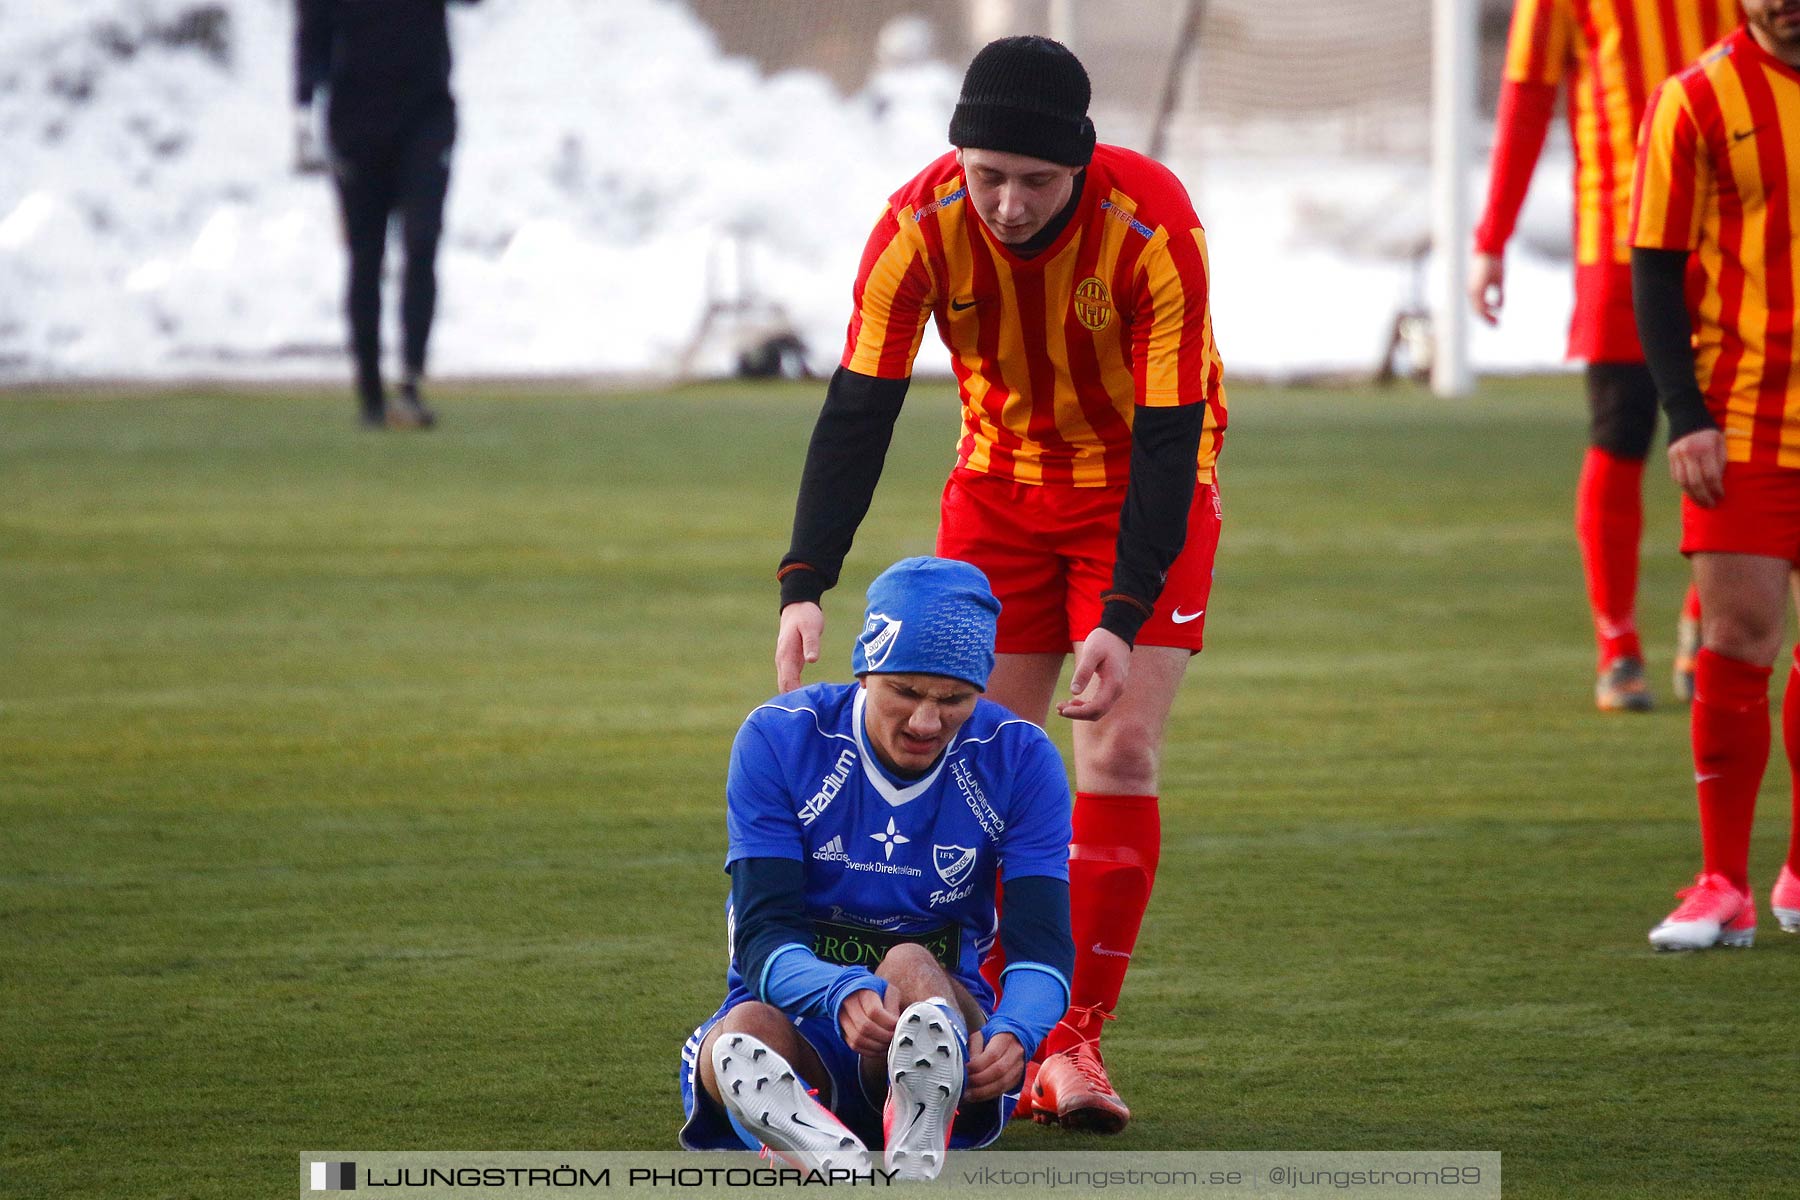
{"x": 1313, "y": 259}
{"x": 613, "y": 169}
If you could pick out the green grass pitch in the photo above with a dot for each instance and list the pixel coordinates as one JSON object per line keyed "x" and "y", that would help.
{"x": 365, "y": 791}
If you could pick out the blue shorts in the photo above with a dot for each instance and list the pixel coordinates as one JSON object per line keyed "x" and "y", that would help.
{"x": 708, "y": 1128}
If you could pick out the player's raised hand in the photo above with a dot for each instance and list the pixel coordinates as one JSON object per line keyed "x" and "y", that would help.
{"x": 802, "y": 624}
{"x": 994, "y": 1067}
{"x": 867, "y": 1022}
{"x": 1697, "y": 464}
{"x": 1101, "y": 664}
{"x": 1487, "y": 286}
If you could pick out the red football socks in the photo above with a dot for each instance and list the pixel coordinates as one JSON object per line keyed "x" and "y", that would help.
{"x": 1731, "y": 749}
{"x": 1112, "y": 867}
{"x": 1690, "y": 607}
{"x": 1609, "y": 523}
{"x": 1790, "y": 736}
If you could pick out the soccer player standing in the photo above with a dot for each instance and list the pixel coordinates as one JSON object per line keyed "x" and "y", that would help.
{"x": 1716, "y": 210}
{"x": 391, "y": 120}
{"x": 1610, "y": 53}
{"x": 1069, "y": 281}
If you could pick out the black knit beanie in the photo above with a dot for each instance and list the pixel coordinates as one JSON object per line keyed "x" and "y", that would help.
{"x": 1026, "y": 95}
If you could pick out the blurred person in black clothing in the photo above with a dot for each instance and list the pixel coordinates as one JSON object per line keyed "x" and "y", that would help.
{"x": 390, "y": 121}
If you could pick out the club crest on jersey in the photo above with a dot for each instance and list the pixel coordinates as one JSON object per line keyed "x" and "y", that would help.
{"x": 879, "y": 634}
{"x": 953, "y": 863}
{"x": 1093, "y": 303}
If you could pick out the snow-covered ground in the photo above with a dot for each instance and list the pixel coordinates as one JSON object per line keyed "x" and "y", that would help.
{"x": 611, "y": 162}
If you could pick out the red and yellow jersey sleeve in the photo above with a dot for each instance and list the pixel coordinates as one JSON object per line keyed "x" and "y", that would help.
{"x": 1671, "y": 175}
{"x": 1540, "y": 43}
{"x": 891, "y": 301}
{"x": 1173, "y": 355}
{"x": 1717, "y": 166}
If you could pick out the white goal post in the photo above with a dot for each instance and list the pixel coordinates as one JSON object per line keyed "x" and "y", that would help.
{"x": 1453, "y": 67}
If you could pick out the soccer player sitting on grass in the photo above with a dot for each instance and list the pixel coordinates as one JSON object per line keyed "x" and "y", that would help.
{"x": 869, "y": 826}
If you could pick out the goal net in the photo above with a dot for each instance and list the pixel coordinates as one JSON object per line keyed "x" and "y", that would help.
{"x": 1303, "y": 131}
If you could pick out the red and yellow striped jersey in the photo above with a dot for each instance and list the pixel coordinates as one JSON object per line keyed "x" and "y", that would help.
{"x": 1717, "y": 167}
{"x": 1612, "y": 52}
{"x": 1052, "y": 353}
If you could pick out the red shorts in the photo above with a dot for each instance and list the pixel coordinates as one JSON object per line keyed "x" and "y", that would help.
{"x": 1048, "y": 552}
{"x": 1603, "y": 328}
{"x": 1760, "y": 514}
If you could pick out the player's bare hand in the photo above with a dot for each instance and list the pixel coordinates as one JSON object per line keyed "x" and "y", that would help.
{"x": 1697, "y": 464}
{"x": 1101, "y": 664}
{"x": 802, "y": 624}
{"x": 1487, "y": 286}
{"x": 867, "y": 1022}
{"x": 309, "y": 152}
{"x": 994, "y": 1067}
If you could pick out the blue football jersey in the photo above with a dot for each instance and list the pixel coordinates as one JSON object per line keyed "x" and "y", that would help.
{"x": 891, "y": 860}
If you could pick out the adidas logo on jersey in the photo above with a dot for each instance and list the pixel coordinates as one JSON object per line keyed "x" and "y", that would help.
{"x": 833, "y": 851}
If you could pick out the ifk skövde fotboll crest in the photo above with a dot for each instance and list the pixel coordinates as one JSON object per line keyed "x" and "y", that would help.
{"x": 879, "y": 634}
{"x": 953, "y": 863}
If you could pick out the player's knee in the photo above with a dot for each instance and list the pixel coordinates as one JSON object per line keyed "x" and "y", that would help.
{"x": 421, "y": 240}
{"x": 907, "y": 960}
{"x": 1125, "y": 754}
{"x": 1627, "y": 441}
{"x": 1622, "y": 409}
{"x": 365, "y": 271}
{"x": 762, "y": 1021}
{"x": 1743, "y": 637}
{"x": 912, "y": 973}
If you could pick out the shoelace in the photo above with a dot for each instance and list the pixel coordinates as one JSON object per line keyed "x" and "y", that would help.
{"x": 1086, "y": 1051}
{"x": 1082, "y": 1017}
{"x": 1699, "y": 885}
{"x": 1088, "y": 1063}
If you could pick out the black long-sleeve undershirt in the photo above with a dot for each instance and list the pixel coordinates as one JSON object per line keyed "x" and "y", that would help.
{"x": 768, "y": 911}
{"x": 843, "y": 463}
{"x": 849, "y": 447}
{"x": 1165, "y": 443}
{"x": 1659, "y": 301}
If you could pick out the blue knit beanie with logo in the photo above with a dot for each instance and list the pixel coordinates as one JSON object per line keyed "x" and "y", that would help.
{"x": 929, "y": 616}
